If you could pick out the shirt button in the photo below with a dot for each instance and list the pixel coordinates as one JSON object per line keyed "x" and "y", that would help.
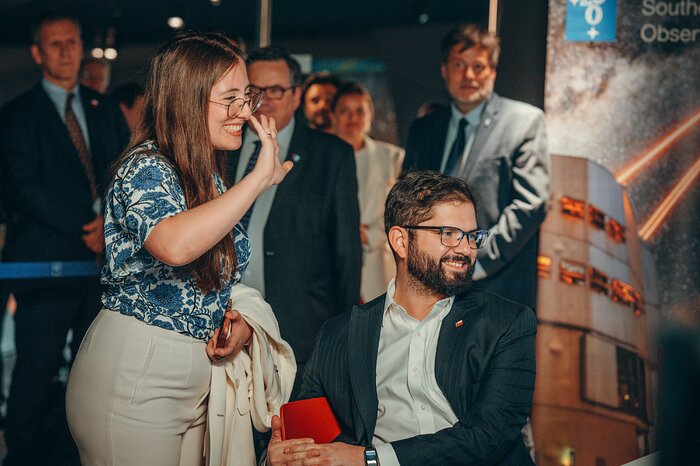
{"x": 422, "y": 407}
{"x": 418, "y": 333}
{"x": 415, "y": 369}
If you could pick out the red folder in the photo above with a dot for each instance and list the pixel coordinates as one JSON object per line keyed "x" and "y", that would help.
{"x": 310, "y": 418}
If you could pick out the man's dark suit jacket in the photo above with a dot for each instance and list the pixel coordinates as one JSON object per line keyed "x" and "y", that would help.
{"x": 485, "y": 368}
{"x": 46, "y": 192}
{"x": 313, "y": 255}
{"x": 508, "y": 166}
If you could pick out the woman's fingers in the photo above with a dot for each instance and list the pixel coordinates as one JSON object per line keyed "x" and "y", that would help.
{"x": 265, "y": 127}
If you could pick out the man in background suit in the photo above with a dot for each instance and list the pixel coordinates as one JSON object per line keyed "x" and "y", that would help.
{"x": 499, "y": 146}
{"x": 57, "y": 142}
{"x": 434, "y": 372}
{"x": 304, "y": 233}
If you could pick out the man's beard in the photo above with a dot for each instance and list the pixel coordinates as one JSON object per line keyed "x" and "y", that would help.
{"x": 322, "y": 120}
{"x": 430, "y": 274}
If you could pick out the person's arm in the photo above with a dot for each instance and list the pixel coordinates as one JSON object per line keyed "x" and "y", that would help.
{"x": 23, "y": 187}
{"x": 347, "y": 249}
{"x": 520, "y": 220}
{"x": 184, "y": 237}
{"x": 497, "y": 413}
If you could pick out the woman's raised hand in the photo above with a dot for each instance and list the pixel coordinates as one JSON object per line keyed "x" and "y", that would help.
{"x": 268, "y": 165}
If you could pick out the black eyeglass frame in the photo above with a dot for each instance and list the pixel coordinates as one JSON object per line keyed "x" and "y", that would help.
{"x": 472, "y": 235}
{"x": 249, "y": 101}
{"x": 264, "y": 90}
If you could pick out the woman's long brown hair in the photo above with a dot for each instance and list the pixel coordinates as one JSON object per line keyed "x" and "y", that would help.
{"x": 176, "y": 101}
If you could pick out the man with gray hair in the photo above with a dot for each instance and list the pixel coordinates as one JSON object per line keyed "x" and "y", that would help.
{"x": 500, "y": 146}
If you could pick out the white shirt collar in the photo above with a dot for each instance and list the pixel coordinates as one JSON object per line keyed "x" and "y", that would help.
{"x": 440, "y": 309}
{"x": 473, "y": 117}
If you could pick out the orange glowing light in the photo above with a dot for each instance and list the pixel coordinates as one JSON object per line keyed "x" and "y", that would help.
{"x": 623, "y": 292}
{"x": 573, "y": 207}
{"x": 596, "y": 217}
{"x": 658, "y": 148}
{"x": 572, "y": 272}
{"x": 616, "y": 230}
{"x": 664, "y": 209}
{"x": 544, "y": 266}
{"x": 599, "y": 280}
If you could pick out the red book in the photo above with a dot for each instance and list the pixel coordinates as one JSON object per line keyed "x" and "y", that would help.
{"x": 310, "y": 418}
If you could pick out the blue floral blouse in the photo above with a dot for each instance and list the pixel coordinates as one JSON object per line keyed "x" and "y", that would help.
{"x": 145, "y": 191}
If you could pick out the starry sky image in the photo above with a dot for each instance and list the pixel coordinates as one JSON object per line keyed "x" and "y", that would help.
{"x": 613, "y": 102}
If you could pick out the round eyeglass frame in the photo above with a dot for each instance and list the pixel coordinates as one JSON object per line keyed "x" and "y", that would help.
{"x": 254, "y": 102}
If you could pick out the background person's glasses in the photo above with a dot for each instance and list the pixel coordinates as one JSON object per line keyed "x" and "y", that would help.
{"x": 235, "y": 107}
{"x": 451, "y": 236}
{"x": 272, "y": 92}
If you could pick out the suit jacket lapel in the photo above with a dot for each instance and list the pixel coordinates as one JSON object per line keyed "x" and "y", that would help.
{"x": 52, "y": 122}
{"x": 442, "y": 124}
{"x": 363, "y": 341}
{"x": 91, "y": 108}
{"x": 297, "y": 153}
{"x": 450, "y": 330}
{"x": 486, "y": 125}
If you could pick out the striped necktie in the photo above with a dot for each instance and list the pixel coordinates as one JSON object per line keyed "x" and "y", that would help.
{"x": 76, "y": 135}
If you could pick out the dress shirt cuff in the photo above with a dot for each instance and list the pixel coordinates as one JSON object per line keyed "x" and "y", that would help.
{"x": 479, "y": 271}
{"x": 387, "y": 455}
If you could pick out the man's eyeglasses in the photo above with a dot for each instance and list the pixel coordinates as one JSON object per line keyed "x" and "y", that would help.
{"x": 235, "y": 107}
{"x": 451, "y": 236}
{"x": 272, "y": 92}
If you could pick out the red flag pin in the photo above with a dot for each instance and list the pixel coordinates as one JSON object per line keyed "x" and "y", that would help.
{"x": 459, "y": 324}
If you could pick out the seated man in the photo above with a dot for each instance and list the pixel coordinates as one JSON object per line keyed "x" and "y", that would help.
{"x": 435, "y": 371}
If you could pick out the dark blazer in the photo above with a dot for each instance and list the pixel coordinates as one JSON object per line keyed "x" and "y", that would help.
{"x": 508, "y": 166}
{"x": 485, "y": 368}
{"x": 313, "y": 254}
{"x": 45, "y": 190}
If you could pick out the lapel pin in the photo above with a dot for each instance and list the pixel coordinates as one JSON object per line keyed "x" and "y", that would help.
{"x": 296, "y": 158}
{"x": 459, "y": 324}
{"x": 94, "y": 102}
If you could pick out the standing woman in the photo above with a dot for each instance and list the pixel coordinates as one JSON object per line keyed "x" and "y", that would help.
{"x": 137, "y": 393}
{"x": 378, "y": 166}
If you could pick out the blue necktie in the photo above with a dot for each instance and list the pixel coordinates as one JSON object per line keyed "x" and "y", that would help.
{"x": 248, "y": 168}
{"x": 455, "y": 157}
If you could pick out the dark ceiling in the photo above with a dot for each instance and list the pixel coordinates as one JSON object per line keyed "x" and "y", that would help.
{"x": 144, "y": 21}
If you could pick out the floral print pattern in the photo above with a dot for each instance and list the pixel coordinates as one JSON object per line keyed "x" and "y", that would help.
{"x": 146, "y": 190}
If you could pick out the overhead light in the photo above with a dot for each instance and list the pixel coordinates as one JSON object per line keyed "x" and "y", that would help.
{"x": 110, "y": 53}
{"x": 216, "y": 2}
{"x": 97, "y": 52}
{"x": 176, "y": 22}
{"x": 423, "y": 18}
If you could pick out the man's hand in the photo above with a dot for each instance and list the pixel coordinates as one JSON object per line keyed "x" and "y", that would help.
{"x": 330, "y": 454}
{"x": 240, "y": 334}
{"x": 94, "y": 237}
{"x": 280, "y": 452}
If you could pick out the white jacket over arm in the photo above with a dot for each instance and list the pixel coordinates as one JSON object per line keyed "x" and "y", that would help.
{"x": 248, "y": 387}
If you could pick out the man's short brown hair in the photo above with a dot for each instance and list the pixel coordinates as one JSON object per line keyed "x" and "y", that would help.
{"x": 471, "y": 35}
{"x": 416, "y": 193}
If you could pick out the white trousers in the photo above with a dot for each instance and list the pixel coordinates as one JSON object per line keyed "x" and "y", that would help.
{"x": 137, "y": 395}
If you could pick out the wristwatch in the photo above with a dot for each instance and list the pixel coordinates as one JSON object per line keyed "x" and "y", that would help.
{"x": 371, "y": 457}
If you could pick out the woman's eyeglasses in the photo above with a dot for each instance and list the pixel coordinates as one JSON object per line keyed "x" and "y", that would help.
{"x": 235, "y": 107}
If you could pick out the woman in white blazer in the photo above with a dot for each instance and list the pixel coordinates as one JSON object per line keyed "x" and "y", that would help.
{"x": 378, "y": 165}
